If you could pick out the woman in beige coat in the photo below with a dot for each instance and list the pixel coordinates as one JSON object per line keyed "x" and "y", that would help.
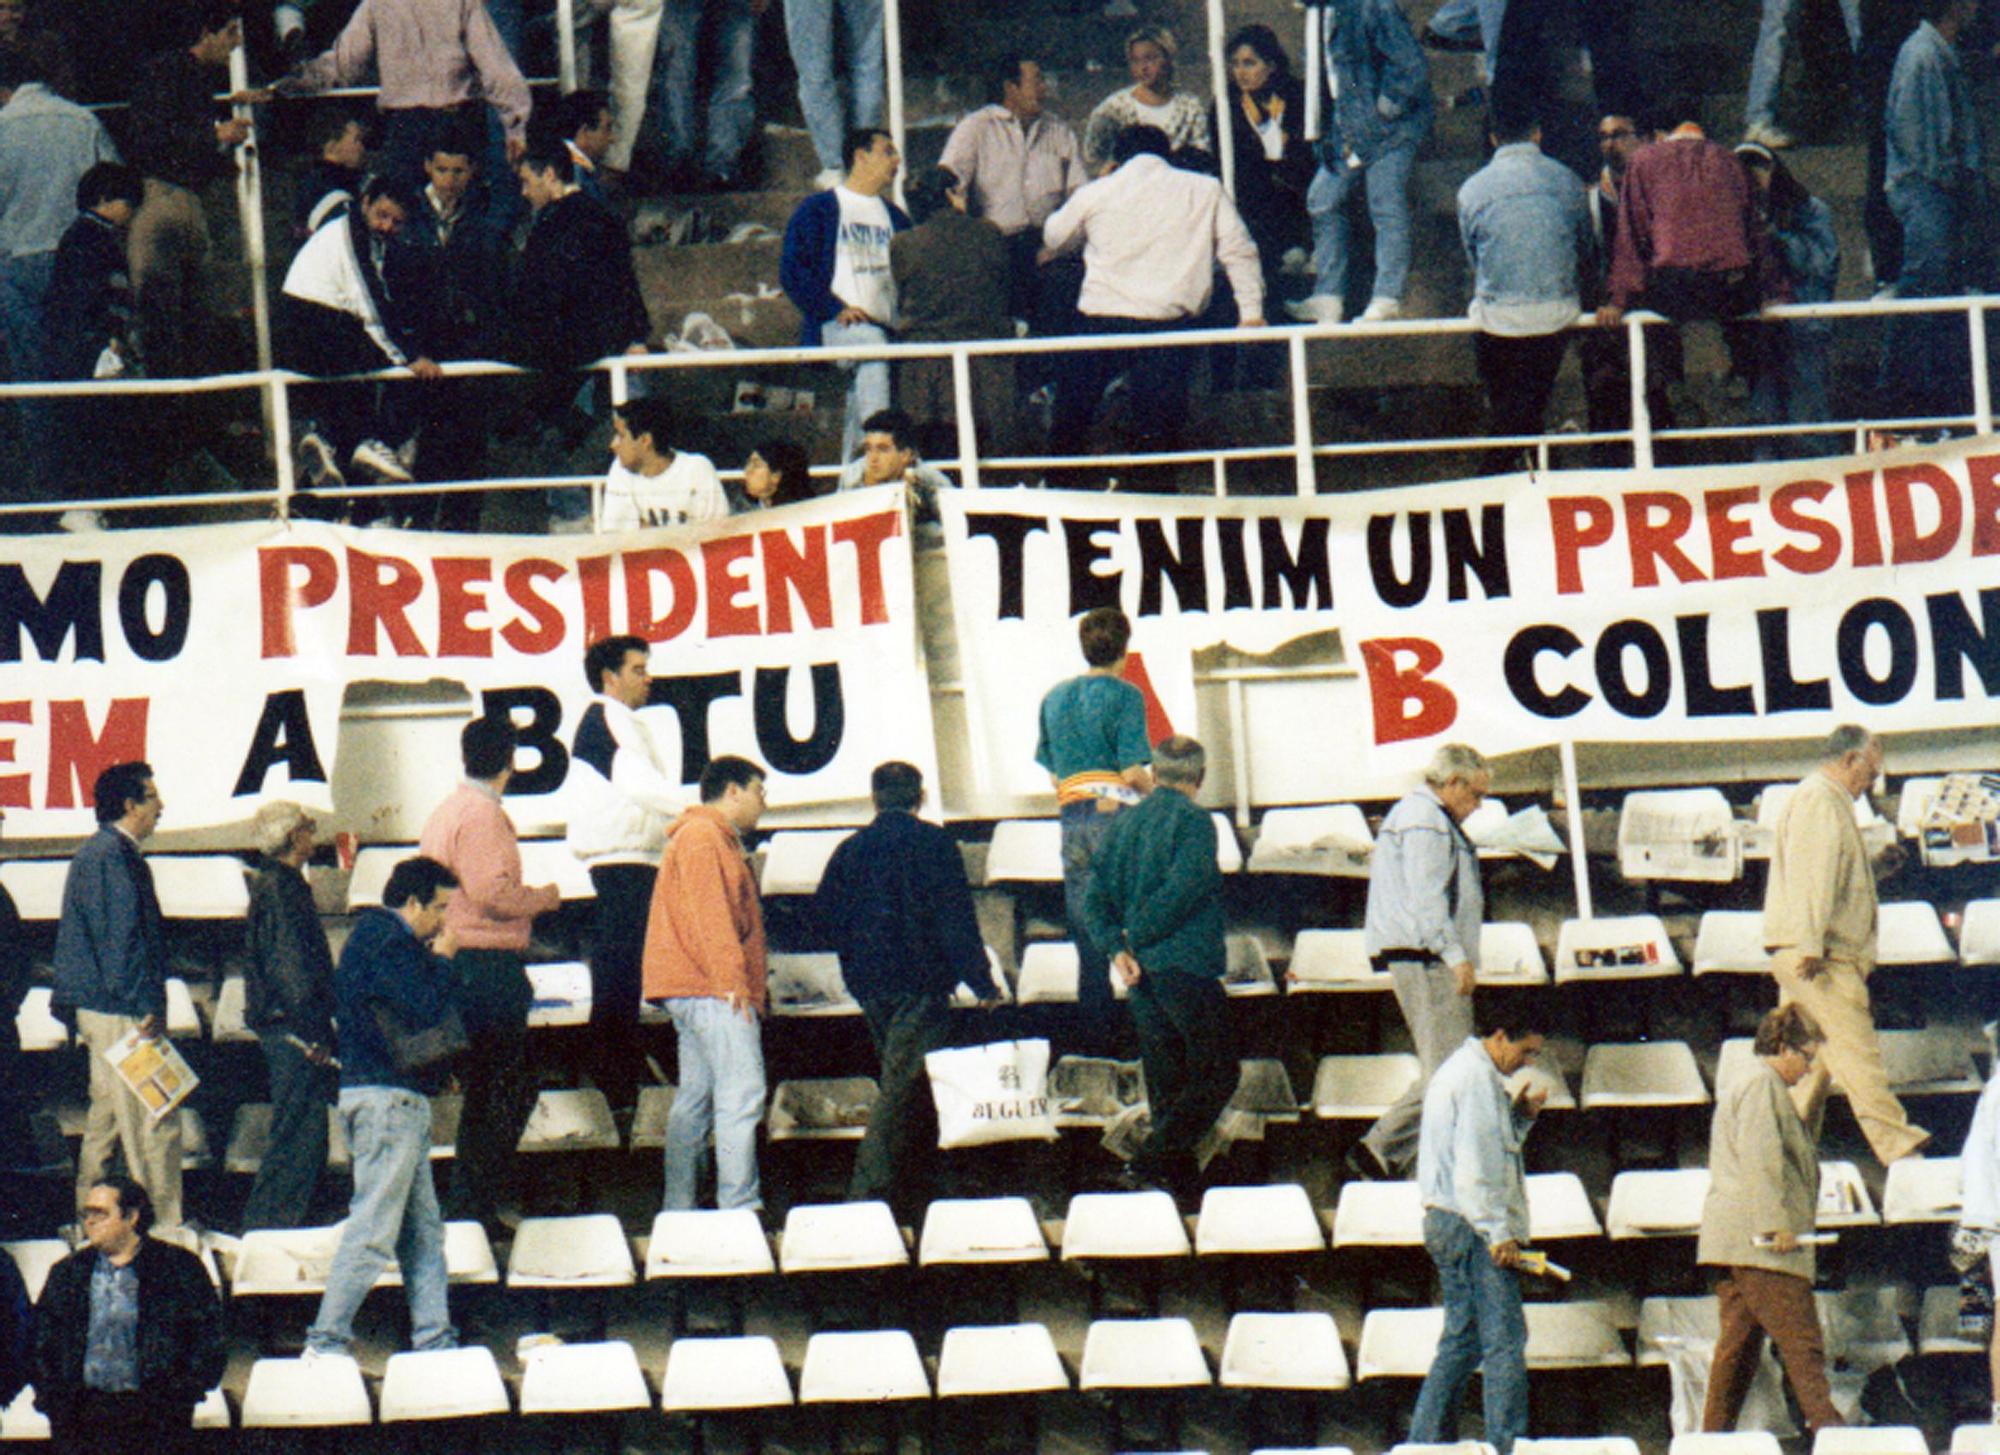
{"x": 1762, "y": 1196}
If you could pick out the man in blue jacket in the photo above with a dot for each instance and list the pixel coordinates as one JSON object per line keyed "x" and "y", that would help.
{"x": 835, "y": 269}
{"x": 395, "y": 976}
{"x": 111, "y": 978}
{"x": 894, "y": 902}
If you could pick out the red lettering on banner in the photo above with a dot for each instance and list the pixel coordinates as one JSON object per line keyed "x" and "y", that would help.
{"x": 1906, "y": 546}
{"x": 1980, "y": 471}
{"x": 1784, "y": 510}
{"x": 77, "y": 755}
{"x": 1725, "y": 531}
{"x": 547, "y": 632}
{"x": 1861, "y": 518}
{"x": 726, "y": 587}
{"x": 789, "y": 568}
{"x": 1577, "y": 523}
{"x": 1407, "y": 703}
{"x": 1158, "y": 724}
{"x": 380, "y": 590}
{"x": 1652, "y": 543}
{"x": 866, "y": 535}
{"x": 593, "y": 575}
{"x": 456, "y": 575}
{"x": 277, "y": 596}
{"x": 14, "y": 786}
{"x": 639, "y": 619}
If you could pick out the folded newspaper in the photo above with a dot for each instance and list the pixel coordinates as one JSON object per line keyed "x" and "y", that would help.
{"x": 154, "y": 1071}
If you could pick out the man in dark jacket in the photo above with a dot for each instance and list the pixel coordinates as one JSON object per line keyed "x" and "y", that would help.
{"x": 1155, "y": 907}
{"x": 128, "y": 1333}
{"x": 394, "y": 985}
{"x": 288, "y": 1002}
{"x": 16, "y": 1138}
{"x": 90, "y": 334}
{"x": 17, "y": 1325}
{"x": 111, "y": 978}
{"x": 894, "y": 902}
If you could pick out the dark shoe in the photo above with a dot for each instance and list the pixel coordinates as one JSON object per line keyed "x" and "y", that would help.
{"x": 1364, "y": 1166}
{"x": 1468, "y": 45}
{"x": 1132, "y": 1179}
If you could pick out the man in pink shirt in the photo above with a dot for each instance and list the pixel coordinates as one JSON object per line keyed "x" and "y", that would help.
{"x": 489, "y": 918}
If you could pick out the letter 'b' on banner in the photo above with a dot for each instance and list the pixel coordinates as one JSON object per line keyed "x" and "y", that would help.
{"x": 1406, "y": 703}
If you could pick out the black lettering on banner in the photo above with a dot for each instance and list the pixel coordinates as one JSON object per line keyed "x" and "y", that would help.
{"x": 170, "y": 574}
{"x": 537, "y": 734}
{"x": 1611, "y": 669}
{"x": 1529, "y": 643}
{"x": 70, "y": 607}
{"x": 1782, "y": 691}
{"x": 1087, "y": 589}
{"x": 1235, "y": 566}
{"x": 1955, "y": 640}
{"x": 1009, "y": 534}
{"x": 1395, "y": 590}
{"x": 1704, "y": 698}
{"x": 1851, "y": 646}
{"x": 785, "y": 753}
{"x": 690, "y": 698}
{"x": 1487, "y": 559}
{"x": 284, "y": 735}
{"x": 1307, "y": 576}
{"x": 1183, "y": 564}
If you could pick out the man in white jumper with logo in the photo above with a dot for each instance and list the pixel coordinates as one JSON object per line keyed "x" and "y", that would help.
{"x": 650, "y": 482}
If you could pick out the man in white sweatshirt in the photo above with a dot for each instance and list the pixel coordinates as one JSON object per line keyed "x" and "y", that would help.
{"x": 622, "y": 796}
{"x": 651, "y": 483}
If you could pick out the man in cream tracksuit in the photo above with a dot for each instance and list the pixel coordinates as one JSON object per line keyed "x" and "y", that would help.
{"x": 622, "y": 796}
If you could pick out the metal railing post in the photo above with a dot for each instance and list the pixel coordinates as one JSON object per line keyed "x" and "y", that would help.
{"x": 1221, "y": 477}
{"x": 1642, "y": 416}
{"x": 1225, "y": 123}
{"x": 250, "y": 208}
{"x": 1579, "y": 861}
{"x": 968, "y": 424}
{"x": 278, "y": 410}
{"x": 1315, "y": 59}
{"x": 1982, "y": 382}
{"x": 566, "y": 45}
{"x": 892, "y": 57}
{"x": 1239, "y": 750}
{"x": 1302, "y": 430}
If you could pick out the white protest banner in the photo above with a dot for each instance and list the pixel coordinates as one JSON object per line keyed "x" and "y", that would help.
{"x": 221, "y": 654}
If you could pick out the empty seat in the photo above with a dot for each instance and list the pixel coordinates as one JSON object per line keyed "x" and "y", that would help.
{"x": 1257, "y": 1220}
{"x": 183, "y": 1021}
{"x": 1398, "y": 1343}
{"x": 562, "y": 994}
{"x": 795, "y": 860}
{"x": 1330, "y": 838}
{"x": 1664, "y": 1320}
{"x": 708, "y": 1243}
{"x": 1049, "y": 975}
{"x": 1622, "y": 947}
{"x": 1025, "y": 850}
{"x": 577, "y": 1379}
{"x": 1979, "y": 938}
{"x": 1975, "y": 1440}
{"x": 200, "y": 886}
{"x": 549, "y": 861}
{"x": 1938, "y": 1333}
{"x": 1000, "y": 1359}
{"x": 570, "y": 1121}
{"x": 1657, "y": 1204}
{"x": 1361, "y": 1088}
{"x": 294, "y": 1394}
{"x": 1558, "y": 1207}
{"x": 1922, "y": 1190}
{"x": 1123, "y": 1225}
{"x": 1264, "y": 1088}
{"x": 1556, "y": 1095}
{"x": 825, "y": 1237}
{"x": 22, "y": 1421}
{"x": 1642, "y": 1073}
{"x": 1731, "y": 942}
{"x": 1142, "y": 1354}
{"x": 1456, "y": 1447}
{"x": 981, "y": 1230}
{"x": 36, "y": 887}
{"x": 724, "y": 1374}
{"x": 1575, "y": 1335}
{"x": 809, "y": 985}
{"x": 372, "y": 866}
{"x": 1585, "y": 1445}
{"x": 1734, "y": 1442}
{"x": 1871, "y": 1440}
{"x": 37, "y": 1024}
{"x": 211, "y": 1414}
{"x": 1333, "y": 960}
{"x": 1283, "y": 1351}
{"x": 35, "y": 1257}
{"x": 1247, "y": 970}
{"x": 1686, "y": 834}
{"x": 290, "y": 1261}
{"x": 1378, "y": 1215}
{"x": 1908, "y": 932}
{"x": 442, "y": 1384}
{"x": 1864, "y": 1326}
{"x": 1931, "y": 1062}
{"x": 1228, "y": 849}
{"x": 834, "y": 1109}
{"x": 250, "y": 1139}
{"x": 864, "y": 1368}
{"x": 228, "y": 1024}
{"x": 649, "y": 1118}
{"x": 577, "y": 1252}
{"x": 1509, "y": 954}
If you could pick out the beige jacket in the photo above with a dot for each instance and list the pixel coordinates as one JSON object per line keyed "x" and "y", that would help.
{"x": 1821, "y": 898}
{"x": 1763, "y": 1175}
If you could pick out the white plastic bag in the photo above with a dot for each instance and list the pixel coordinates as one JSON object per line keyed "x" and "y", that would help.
{"x": 994, "y": 1093}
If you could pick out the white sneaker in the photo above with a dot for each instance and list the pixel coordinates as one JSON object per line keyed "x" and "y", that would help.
{"x": 831, "y": 178}
{"x": 406, "y": 454}
{"x": 316, "y": 461}
{"x": 381, "y": 462}
{"x": 1297, "y": 263}
{"x": 79, "y": 522}
{"x": 1765, "y": 134}
{"x": 1320, "y": 308}
{"x": 1381, "y": 310}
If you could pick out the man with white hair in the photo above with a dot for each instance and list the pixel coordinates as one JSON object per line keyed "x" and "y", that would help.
{"x": 288, "y": 1002}
{"x": 1425, "y": 905}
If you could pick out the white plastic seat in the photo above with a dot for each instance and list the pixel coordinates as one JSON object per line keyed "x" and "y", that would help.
{"x": 576, "y": 1252}
{"x": 1123, "y": 1225}
{"x": 35, "y": 1257}
{"x": 865, "y": 1368}
{"x": 442, "y": 1384}
{"x": 1509, "y": 954}
{"x": 576, "y": 1379}
{"x": 1556, "y": 1095}
{"x": 183, "y": 1021}
{"x": 1025, "y": 850}
{"x": 1922, "y": 1190}
{"x": 35, "y": 886}
{"x": 1575, "y": 1335}
{"x": 795, "y": 860}
{"x": 1333, "y": 960}
{"x": 228, "y": 1024}
{"x": 1930, "y": 1062}
{"x": 1843, "y": 1198}
{"x": 298, "y": 1394}
{"x": 1657, "y": 1204}
{"x": 724, "y": 1374}
{"x": 1758, "y": 836}
{"x": 1559, "y": 1207}
{"x": 1864, "y": 1326}
{"x": 1361, "y": 1088}
{"x": 1273, "y": 1219}
{"x": 649, "y": 1118}
{"x": 549, "y": 861}
{"x": 570, "y": 1121}
{"x": 250, "y": 1139}
{"x": 1329, "y": 838}
{"x": 1283, "y": 1351}
{"x": 1979, "y": 939}
{"x": 196, "y": 1154}
{"x": 1733, "y": 1442}
{"x": 1731, "y": 942}
{"x": 1621, "y": 947}
{"x": 372, "y": 867}
{"x": 1000, "y": 1359}
{"x": 1682, "y": 834}
{"x": 981, "y": 1230}
{"x": 1642, "y": 1073}
{"x": 1378, "y": 1215}
{"x": 562, "y": 993}
{"x": 809, "y": 985}
{"x": 1049, "y": 971}
{"x": 1264, "y": 1089}
{"x": 211, "y": 1414}
{"x": 1662, "y": 1320}
{"x": 36, "y": 1021}
{"x": 1871, "y": 1440}
{"x": 1908, "y": 932}
{"x": 22, "y": 1421}
{"x": 1398, "y": 1343}
{"x": 1585, "y": 1445}
{"x": 1913, "y": 802}
{"x": 826, "y": 1237}
{"x": 708, "y": 1243}
{"x": 200, "y": 886}
{"x": 1248, "y": 969}
{"x": 1938, "y": 1333}
{"x": 1228, "y": 848}
{"x": 1456, "y": 1447}
{"x": 1142, "y": 1354}
{"x": 822, "y": 1109}
{"x": 292, "y": 1261}
{"x": 1976, "y": 1440}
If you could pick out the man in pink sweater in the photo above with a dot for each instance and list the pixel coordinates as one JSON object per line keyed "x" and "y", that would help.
{"x": 489, "y": 918}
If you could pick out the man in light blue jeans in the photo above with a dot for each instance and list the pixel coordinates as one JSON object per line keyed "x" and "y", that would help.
{"x": 809, "y": 28}
{"x": 722, "y": 1086}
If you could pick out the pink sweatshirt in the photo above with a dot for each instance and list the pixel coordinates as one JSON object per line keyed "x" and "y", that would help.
{"x": 471, "y": 835}
{"x": 429, "y": 53}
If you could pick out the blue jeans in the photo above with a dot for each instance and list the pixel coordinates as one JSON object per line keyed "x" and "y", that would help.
{"x": 394, "y": 1214}
{"x": 809, "y": 29}
{"x": 24, "y": 294}
{"x": 1768, "y": 60}
{"x": 1791, "y": 388}
{"x": 1483, "y": 1328}
{"x": 1387, "y": 179}
{"x": 676, "y": 75}
{"x": 1926, "y": 359}
{"x": 869, "y": 393}
{"x": 721, "y": 1090}
{"x": 1083, "y": 828}
{"x": 1463, "y": 19}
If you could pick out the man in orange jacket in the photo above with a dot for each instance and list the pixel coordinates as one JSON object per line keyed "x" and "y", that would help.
{"x": 705, "y": 959}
